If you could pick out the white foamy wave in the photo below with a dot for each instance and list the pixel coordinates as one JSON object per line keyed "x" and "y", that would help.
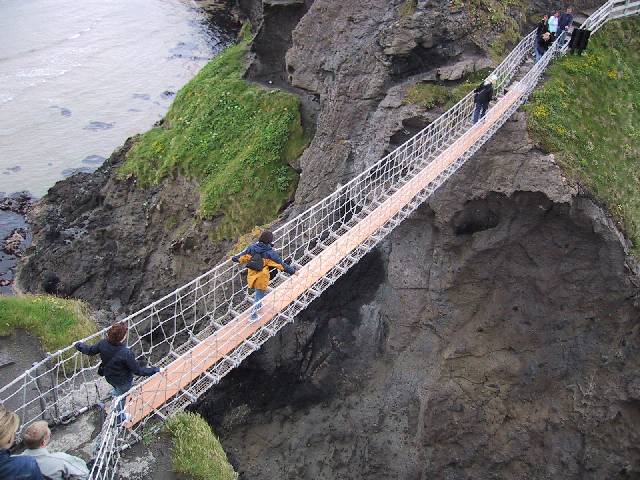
{"x": 73, "y": 37}
{"x": 41, "y": 72}
{"x": 5, "y": 98}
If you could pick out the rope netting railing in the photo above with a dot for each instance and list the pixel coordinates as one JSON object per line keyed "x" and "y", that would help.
{"x": 200, "y": 331}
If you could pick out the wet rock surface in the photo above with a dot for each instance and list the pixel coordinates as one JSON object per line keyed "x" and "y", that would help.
{"x": 15, "y": 235}
{"x": 19, "y": 202}
{"x": 96, "y": 125}
{"x": 14, "y": 243}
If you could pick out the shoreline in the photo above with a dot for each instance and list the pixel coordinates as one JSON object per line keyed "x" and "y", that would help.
{"x": 16, "y": 236}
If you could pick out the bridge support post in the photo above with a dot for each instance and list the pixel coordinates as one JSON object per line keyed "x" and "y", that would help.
{"x": 41, "y": 397}
{"x": 53, "y": 376}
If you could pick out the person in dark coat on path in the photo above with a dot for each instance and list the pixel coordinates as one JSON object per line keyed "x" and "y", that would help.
{"x": 14, "y": 467}
{"x": 565, "y": 23}
{"x": 119, "y": 364}
{"x": 482, "y": 98}
{"x": 566, "y": 20}
{"x": 542, "y": 27}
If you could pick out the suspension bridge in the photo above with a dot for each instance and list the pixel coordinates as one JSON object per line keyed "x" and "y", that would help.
{"x": 200, "y": 332}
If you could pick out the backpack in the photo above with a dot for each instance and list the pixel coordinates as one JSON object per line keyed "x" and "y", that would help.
{"x": 256, "y": 263}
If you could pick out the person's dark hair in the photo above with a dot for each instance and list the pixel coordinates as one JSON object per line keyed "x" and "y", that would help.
{"x": 117, "y": 332}
{"x": 266, "y": 237}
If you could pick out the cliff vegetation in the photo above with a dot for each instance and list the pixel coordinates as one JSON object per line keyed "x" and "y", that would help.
{"x": 196, "y": 451}
{"x": 430, "y": 95}
{"x": 234, "y": 138}
{"x": 588, "y": 114}
{"x": 55, "y": 321}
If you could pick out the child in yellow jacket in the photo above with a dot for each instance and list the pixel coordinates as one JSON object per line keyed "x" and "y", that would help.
{"x": 258, "y": 280}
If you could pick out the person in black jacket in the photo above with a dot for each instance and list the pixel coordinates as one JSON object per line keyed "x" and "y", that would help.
{"x": 542, "y": 27}
{"x": 119, "y": 364}
{"x": 483, "y": 95}
{"x": 543, "y": 45}
{"x": 566, "y": 20}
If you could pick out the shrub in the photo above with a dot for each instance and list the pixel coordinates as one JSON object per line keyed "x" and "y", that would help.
{"x": 196, "y": 451}
{"x": 55, "y": 321}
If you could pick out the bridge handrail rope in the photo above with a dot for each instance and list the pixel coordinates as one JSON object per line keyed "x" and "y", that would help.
{"x": 199, "y": 331}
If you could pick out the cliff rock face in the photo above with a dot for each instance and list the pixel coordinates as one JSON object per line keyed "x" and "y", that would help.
{"x": 351, "y": 55}
{"x": 115, "y": 245}
{"x": 493, "y": 335}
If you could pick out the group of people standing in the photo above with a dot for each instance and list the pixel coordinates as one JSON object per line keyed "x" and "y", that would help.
{"x": 550, "y": 28}
{"x": 36, "y": 462}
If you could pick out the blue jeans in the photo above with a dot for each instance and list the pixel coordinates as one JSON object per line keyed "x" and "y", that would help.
{"x": 116, "y": 392}
{"x": 258, "y": 296}
{"x": 480, "y": 111}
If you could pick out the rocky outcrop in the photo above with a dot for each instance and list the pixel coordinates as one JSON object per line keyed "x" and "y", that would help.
{"x": 493, "y": 335}
{"x": 13, "y": 244}
{"x": 273, "y": 39}
{"x": 356, "y": 57}
{"x": 103, "y": 239}
{"x": 19, "y": 202}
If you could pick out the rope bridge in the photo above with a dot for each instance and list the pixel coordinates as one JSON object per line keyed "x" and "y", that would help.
{"x": 200, "y": 332}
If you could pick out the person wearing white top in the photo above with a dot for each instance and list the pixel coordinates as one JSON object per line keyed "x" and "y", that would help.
{"x": 553, "y": 23}
{"x": 53, "y": 465}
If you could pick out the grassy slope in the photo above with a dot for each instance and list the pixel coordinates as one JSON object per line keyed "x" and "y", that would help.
{"x": 588, "y": 113}
{"x": 56, "y": 321}
{"x": 430, "y": 95}
{"x": 234, "y": 138}
{"x": 196, "y": 451}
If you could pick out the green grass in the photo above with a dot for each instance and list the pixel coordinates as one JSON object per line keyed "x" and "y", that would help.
{"x": 430, "y": 95}
{"x": 55, "y": 321}
{"x": 196, "y": 451}
{"x": 408, "y": 7}
{"x": 588, "y": 113}
{"x": 234, "y": 138}
{"x": 427, "y": 95}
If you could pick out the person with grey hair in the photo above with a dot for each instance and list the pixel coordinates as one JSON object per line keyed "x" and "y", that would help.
{"x": 482, "y": 97}
{"x": 14, "y": 467}
{"x": 53, "y": 465}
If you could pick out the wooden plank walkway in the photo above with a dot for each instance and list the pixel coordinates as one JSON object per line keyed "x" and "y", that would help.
{"x": 161, "y": 387}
